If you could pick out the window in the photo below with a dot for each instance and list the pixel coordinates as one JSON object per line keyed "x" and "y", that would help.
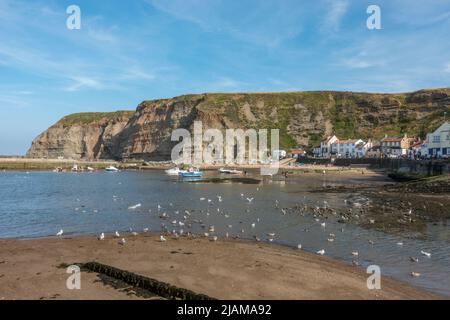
{"x": 436, "y": 139}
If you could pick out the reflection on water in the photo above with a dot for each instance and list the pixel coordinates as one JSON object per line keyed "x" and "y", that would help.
{"x": 39, "y": 204}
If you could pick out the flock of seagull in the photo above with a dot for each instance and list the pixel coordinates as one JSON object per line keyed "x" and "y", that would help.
{"x": 177, "y": 225}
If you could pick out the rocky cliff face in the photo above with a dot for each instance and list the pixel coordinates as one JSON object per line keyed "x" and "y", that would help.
{"x": 303, "y": 118}
{"x": 80, "y": 136}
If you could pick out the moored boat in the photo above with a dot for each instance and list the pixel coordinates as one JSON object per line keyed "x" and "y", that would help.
{"x": 111, "y": 169}
{"x": 191, "y": 173}
{"x": 174, "y": 171}
{"x": 229, "y": 171}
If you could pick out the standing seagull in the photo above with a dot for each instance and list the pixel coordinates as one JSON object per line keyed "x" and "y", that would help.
{"x": 60, "y": 233}
{"x": 117, "y": 235}
{"x": 101, "y": 237}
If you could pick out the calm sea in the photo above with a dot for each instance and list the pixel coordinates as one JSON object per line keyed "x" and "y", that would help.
{"x": 39, "y": 204}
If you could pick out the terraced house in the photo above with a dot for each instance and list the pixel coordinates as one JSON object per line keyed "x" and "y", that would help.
{"x": 346, "y": 148}
{"x": 437, "y": 144}
{"x": 396, "y": 146}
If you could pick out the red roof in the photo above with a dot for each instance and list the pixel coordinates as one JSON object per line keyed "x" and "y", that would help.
{"x": 346, "y": 141}
{"x": 391, "y": 139}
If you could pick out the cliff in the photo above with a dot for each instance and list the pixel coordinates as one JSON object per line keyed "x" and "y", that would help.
{"x": 81, "y": 136}
{"x": 303, "y": 118}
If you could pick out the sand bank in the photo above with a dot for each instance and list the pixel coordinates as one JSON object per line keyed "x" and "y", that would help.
{"x": 225, "y": 269}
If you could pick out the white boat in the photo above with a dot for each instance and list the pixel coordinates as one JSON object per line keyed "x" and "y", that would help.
{"x": 90, "y": 169}
{"x": 111, "y": 169}
{"x": 229, "y": 171}
{"x": 75, "y": 168}
{"x": 175, "y": 171}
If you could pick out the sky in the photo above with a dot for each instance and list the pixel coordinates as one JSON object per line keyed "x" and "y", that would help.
{"x": 135, "y": 50}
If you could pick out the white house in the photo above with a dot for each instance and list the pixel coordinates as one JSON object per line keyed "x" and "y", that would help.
{"x": 438, "y": 143}
{"x": 362, "y": 148}
{"x": 346, "y": 148}
{"x": 325, "y": 147}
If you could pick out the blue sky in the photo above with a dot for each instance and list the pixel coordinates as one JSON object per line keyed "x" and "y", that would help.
{"x": 129, "y": 51}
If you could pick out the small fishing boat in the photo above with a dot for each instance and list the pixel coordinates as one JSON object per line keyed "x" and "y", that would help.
{"x": 229, "y": 171}
{"x": 111, "y": 169}
{"x": 174, "y": 171}
{"x": 191, "y": 173}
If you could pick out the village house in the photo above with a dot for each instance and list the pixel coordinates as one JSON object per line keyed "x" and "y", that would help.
{"x": 437, "y": 144}
{"x": 395, "y": 146}
{"x": 297, "y": 153}
{"x": 362, "y": 148}
{"x": 415, "y": 150}
{"x": 325, "y": 147}
{"x": 374, "y": 151}
{"x": 345, "y": 148}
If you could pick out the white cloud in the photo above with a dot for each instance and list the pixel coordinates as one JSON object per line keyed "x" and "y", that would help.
{"x": 337, "y": 10}
{"x": 84, "y": 82}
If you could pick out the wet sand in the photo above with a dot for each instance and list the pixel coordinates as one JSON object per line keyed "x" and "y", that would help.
{"x": 225, "y": 269}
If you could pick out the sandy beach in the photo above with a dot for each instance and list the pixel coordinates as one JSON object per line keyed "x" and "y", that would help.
{"x": 225, "y": 269}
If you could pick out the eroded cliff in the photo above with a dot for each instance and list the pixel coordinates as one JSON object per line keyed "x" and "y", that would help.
{"x": 303, "y": 118}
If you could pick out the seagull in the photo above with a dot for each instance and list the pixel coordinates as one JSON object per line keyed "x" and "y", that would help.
{"x": 202, "y": 199}
{"x": 122, "y": 241}
{"x": 162, "y": 239}
{"x": 271, "y": 234}
{"x": 330, "y": 239}
{"x": 101, "y": 237}
{"x": 414, "y": 259}
{"x": 250, "y": 200}
{"x": 134, "y": 233}
{"x": 135, "y": 206}
{"x": 60, "y": 233}
{"x": 321, "y": 252}
{"x": 299, "y": 246}
{"x": 399, "y": 243}
{"x": 253, "y": 225}
{"x": 323, "y": 224}
{"x": 415, "y": 274}
{"x": 426, "y": 254}
{"x": 355, "y": 253}
{"x": 117, "y": 235}
{"x": 214, "y": 238}
{"x": 145, "y": 230}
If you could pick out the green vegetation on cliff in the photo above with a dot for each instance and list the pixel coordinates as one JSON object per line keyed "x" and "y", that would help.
{"x": 91, "y": 117}
{"x": 305, "y": 118}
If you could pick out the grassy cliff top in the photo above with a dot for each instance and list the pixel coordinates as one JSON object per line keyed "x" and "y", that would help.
{"x": 90, "y": 117}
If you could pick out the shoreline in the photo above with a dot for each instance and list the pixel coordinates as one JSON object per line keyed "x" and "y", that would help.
{"x": 225, "y": 269}
{"x": 31, "y": 164}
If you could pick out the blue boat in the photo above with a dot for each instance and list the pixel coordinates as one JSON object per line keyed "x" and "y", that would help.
{"x": 191, "y": 173}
